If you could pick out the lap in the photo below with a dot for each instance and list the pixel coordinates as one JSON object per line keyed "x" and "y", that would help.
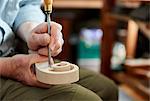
{"x": 90, "y": 87}
{"x": 12, "y": 90}
{"x": 98, "y": 83}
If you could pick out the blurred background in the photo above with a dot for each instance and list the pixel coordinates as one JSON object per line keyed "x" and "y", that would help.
{"x": 111, "y": 37}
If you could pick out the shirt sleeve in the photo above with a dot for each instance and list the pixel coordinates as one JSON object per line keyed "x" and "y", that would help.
{"x": 29, "y": 11}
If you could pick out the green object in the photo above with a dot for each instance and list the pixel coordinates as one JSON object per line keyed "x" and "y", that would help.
{"x": 87, "y": 51}
{"x": 91, "y": 87}
{"x": 89, "y": 43}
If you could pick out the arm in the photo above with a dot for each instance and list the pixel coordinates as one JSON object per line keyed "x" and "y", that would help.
{"x": 29, "y": 16}
{"x": 37, "y": 37}
{"x": 29, "y": 12}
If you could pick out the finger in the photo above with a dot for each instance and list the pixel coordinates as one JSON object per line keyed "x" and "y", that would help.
{"x": 56, "y": 44}
{"x": 62, "y": 41}
{"x": 52, "y": 61}
{"x": 57, "y": 52}
{"x": 52, "y": 43}
{"x": 41, "y": 28}
{"x": 56, "y": 34}
{"x": 43, "y": 51}
{"x": 39, "y": 40}
{"x": 56, "y": 25}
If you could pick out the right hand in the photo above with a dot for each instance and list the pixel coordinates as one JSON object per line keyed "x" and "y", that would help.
{"x": 39, "y": 39}
{"x": 23, "y": 71}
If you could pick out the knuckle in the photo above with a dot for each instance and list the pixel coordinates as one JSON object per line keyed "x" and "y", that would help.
{"x": 62, "y": 41}
{"x": 33, "y": 37}
{"x": 60, "y": 50}
{"x": 47, "y": 38}
{"x": 58, "y": 45}
{"x": 60, "y": 35}
{"x": 44, "y": 40}
{"x": 57, "y": 52}
{"x": 57, "y": 25}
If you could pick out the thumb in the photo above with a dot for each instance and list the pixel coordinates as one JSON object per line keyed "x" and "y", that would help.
{"x": 35, "y": 58}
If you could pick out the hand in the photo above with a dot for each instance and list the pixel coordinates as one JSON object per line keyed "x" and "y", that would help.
{"x": 23, "y": 71}
{"x": 39, "y": 39}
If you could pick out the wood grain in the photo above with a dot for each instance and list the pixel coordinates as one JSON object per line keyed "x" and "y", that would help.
{"x": 61, "y": 73}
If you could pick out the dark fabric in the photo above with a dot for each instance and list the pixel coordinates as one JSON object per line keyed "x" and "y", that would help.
{"x": 91, "y": 87}
{"x": 142, "y": 13}
{"x": 142, "y": 52}
{"x": 98, "y": 83}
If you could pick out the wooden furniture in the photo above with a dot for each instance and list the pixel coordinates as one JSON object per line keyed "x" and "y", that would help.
{"x": 137, "y": 78}
{"x": 132, "y": 36}
{"x": 130, "y": 92}
{"x": 109, "y": 21}
{"x": 109, "y": 27}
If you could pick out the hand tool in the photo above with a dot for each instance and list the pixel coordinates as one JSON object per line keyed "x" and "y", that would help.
{"x": 48, "y": 11}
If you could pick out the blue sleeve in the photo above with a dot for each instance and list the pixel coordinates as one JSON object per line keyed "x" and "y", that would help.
{"x": 29, "y": 11}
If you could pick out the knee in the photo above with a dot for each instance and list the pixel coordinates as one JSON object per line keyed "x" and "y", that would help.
{"x": 110, "y": 90}
{"x": 83, "y": 94}
{"x": 113, "y": 89}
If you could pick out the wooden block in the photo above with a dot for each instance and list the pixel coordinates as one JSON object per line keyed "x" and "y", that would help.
{"x": 60, "y": 73}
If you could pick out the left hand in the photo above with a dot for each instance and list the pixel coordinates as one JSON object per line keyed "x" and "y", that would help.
{"x": 23, "y": 72}
{"x": 39, "y": 39}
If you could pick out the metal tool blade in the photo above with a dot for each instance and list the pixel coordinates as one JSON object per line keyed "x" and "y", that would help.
{"x": 49, "y": 32}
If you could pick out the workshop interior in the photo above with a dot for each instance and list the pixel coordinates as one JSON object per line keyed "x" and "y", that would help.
{"x": 111, "y": 37}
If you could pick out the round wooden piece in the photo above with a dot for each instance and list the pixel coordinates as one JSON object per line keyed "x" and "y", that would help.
{"x": 62, "y": 66}
{"x": 59, "y": 73}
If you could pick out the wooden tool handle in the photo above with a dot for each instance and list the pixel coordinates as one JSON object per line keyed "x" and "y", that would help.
{"x": 48, "y": 5}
